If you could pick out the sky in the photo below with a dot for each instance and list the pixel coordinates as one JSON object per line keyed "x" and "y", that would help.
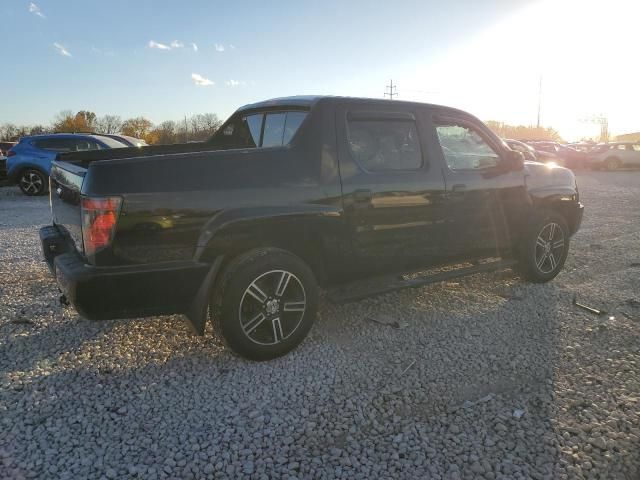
{"x": 164, "y": 60}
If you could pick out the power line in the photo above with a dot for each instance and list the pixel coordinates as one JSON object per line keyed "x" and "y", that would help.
{"x": 392, "y": 92}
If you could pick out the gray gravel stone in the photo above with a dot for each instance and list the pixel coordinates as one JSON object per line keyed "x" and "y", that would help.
{"x": 145, "y": 399}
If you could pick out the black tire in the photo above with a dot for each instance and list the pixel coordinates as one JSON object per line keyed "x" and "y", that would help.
{"x": 612, "y": 163}
{"x": 544, "y": 247}
{"x": 252, "y": 312}
{"x": 32, "y": 182}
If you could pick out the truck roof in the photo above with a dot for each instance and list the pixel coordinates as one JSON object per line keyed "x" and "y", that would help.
{"x": 309, "y": 101}
{"x": 293, "y": 101}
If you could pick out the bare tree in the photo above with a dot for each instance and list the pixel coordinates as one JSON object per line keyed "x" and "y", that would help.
{"x": 202, "y": 126}
{"x": 165, "y": 133}
{"x": 38, "y": 130}
{"x": 109, "y": 124}
{"x": 211, "y": 122}
{"x": 8, "y": 132}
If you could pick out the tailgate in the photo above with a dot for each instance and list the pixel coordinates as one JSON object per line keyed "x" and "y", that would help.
{"x": 66, "y": 185}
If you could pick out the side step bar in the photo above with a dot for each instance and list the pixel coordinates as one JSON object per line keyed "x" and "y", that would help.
{"x": 358, "y": 290}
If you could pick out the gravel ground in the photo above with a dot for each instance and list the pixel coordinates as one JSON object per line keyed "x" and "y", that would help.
{"x": 488, "y": 378}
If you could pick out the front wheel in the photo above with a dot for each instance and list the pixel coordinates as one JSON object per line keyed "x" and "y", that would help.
{"x": 32, "y": 182}
{"x": 544, "y": 247}
{"x": 265, "y": 304}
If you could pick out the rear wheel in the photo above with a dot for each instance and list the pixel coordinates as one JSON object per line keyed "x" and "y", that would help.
{"x": 545, "y": 247}
{"x": 612, "y": 163}
{"x": 265, "y": 304}
{"x": 32, "y": 182}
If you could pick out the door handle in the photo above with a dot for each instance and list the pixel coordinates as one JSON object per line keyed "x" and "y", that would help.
{"x": 362, "y": 198}
{"x": 459, "y": 188}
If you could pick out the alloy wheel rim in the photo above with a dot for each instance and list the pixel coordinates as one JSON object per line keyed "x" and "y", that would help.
{"x": 549, "y": 248}
{"x": 272, "y": 307}
{"x": 31, "y": 182}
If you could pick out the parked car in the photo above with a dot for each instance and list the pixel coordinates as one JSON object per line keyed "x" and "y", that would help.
{"x": 29, "y": 162}
{"x": 293, "y": 193}
{"x": 527, "y": 151}
{"x": 612, "y": 156}
{"x": 562, "y": 154}
{"x": 544, "y": 156}
{"x": 3, "y": 168}
{"x": 127, "y": 140}
{"x": 582, "y": 146}
{"x": 5, "y": 147}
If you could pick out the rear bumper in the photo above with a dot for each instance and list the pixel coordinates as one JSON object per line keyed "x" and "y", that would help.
{"x": 103, "y": 293}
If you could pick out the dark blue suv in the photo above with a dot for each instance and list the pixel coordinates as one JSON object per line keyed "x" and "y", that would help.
{"x": 29, "y": 162}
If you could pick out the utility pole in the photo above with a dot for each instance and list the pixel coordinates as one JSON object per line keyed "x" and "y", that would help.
{"x": 392, "y": 90}
{"x": 186, "y": 130}
{"x": 539, "y": 101}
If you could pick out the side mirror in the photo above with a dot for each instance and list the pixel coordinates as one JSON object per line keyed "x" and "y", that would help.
{"x": 515, "y": 160}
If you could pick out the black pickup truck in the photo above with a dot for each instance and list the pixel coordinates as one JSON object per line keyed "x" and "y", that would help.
{"x": 292, "y": 193}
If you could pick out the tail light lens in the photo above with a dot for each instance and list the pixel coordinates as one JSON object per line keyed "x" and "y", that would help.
{"x": 99, "y": 218}
{"x": 10, "y": 153}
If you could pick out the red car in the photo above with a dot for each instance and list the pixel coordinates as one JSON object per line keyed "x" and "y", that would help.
{"x": 4, "y": 148}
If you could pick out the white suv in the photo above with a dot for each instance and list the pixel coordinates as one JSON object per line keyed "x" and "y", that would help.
{"x": 613, "y": 156}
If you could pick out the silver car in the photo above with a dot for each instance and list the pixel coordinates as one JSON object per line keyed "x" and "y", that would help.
{"x": 613, "y": 156}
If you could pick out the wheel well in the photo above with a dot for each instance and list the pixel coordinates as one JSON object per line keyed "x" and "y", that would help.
{"x": 566, "y": 210}
{"x": 308, "y": 249}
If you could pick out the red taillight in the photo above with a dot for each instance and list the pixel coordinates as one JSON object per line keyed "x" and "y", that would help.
{"x": 10, "y": 153}
{"x": 99, "y": 218}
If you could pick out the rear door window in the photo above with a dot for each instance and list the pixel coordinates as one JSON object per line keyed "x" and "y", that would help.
{"x": 385, "y": 144}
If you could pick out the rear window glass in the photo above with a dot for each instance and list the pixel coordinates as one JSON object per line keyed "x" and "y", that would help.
{"x": 273, "y": 129}
{"x": 254, "y": 124}
{"x": 291, "y": 125}
{"x": 268, "y": 129}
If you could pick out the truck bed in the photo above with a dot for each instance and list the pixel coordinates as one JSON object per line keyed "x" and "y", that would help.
{"x": 86, "y": 157}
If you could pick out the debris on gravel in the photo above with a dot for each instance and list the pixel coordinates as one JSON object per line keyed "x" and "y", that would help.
{"x": 475, "y": 386}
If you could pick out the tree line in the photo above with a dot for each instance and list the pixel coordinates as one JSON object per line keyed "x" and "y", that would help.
{"x": 522, "y": 132}
{"x": 195, "y": 128}
{"x": 192, "y": 129}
